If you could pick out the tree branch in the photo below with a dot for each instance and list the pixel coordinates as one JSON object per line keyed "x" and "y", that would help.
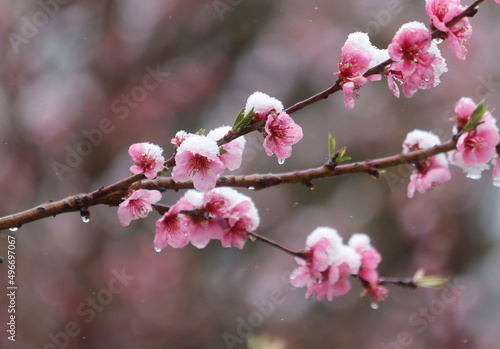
{"x": 113, "y": 194}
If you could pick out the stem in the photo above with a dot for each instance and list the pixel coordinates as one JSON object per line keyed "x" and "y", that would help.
{"x": 317, "y": 97}
{"x": 276, "y": 245}
{"x": 401, "y": 283}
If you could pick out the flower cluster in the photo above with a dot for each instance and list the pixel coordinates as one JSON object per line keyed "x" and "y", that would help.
{"x": 328, "y": 263}
{"x": 417, "y": 62}
{"x": 222, "y": 214}
{"x": 477, "y": 148}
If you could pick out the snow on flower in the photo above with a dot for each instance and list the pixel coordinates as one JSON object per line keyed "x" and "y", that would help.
{"x": 171, "y": 228}
{"x": 207, "y": 224}
{"x": 370, "y": 258}
{"x": 495, "y": 173}
{"x": 180, "y": 137}
{"x": 443, "y": 11}
{"x": 429, "y": 172}
{"x": 242, "y": 218}
{"x": 262, "y": 104}
{"x": 280, "y": 133}
{"x": 138, "y": 205}
{"x": 197, "y": 158}
{"x": 327, "y": 265}
{"x": 232, "y": 151}
{"x": 148, "y": 159}
{"x": 418, "y": 63}
{"x": 358, "y": 55}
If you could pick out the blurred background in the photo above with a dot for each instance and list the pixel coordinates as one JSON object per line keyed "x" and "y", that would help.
{"x": 83, "y": 80}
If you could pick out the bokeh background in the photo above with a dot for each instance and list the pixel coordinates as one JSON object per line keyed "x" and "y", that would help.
{"x": 67, "y": 65}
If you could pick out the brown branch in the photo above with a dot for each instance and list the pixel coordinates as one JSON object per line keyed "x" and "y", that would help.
{"x": 277, "y": 245}
{"x": 113, "y": 194}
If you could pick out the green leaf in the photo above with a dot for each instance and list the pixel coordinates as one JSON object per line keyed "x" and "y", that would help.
{"x": 240, "y": 117}
{"x": 344, "y": 159}
{"x": 476, "y": 117}
{"x": 331, "y": 146}
{"x": 429, "y": 281}
{"x": 242, "y": 121}
{"x": 200, "y": 132}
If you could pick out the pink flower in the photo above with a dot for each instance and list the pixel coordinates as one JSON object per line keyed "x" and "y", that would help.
{"x": 458, "y": 36}
{"x": 280, "y": 133}
{"x": 497, "y": 1}
{"x": 327, "y": 266}
{"x": 240, "y": 218}
{"x": 376, "y": 292}
{"x": 358, "y": 55}
{"x": 137, "y": 205}
{"x": 171, "y": 228}
{"x": 208, "y": 223}
{"x": 464, "y": 109}
{"x": 370, "y": 258}
{"x": 443, "y": 11}
{"x": 180, "y": 137}
{"x": 429, "y": 172}
{"x": 262, "y": 104}
{"x": 417, "y": 60}
{"x": 148, "y": 159}
{"x": 479, "y": 146}
{"x": 231, "y": 152}
{"x": 239, "y": 225}
{"x": 197, "y": 158}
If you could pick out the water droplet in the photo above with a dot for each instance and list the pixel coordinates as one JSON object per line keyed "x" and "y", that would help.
{"x": 437, "y": 41}
{"x": 251, "y": 188}
{"x": 295, "y": 204}
{"x": 85, "y": 215}
{"x": 14, "y": 229}
{"x": 465, "y": 340}
{"x": 374, "y": 306}
{"x": 281, "y": 161}
{"x": 157, "y": 249}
